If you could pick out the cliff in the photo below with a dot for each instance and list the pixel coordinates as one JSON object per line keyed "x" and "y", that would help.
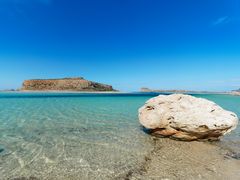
{"x": 65, "y": 84}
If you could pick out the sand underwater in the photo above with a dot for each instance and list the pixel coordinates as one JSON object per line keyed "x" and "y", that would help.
{"x": 98, "y": 136}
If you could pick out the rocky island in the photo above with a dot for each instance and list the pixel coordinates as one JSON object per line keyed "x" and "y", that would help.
{"x": 64, "y": 84}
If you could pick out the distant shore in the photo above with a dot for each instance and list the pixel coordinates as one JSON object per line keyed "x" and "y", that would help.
{"x": 119, "y": 92}
{"x": 147, "y": 90}
{"x": 233, "y": 93}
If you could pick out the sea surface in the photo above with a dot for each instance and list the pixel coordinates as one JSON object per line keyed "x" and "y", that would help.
{"x": 80, "y": 136}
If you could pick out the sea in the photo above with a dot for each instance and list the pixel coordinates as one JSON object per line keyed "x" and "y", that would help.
{"x": 81, "y": 135}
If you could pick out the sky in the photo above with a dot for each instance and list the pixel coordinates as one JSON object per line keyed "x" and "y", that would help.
{"x": 189, "y": 44}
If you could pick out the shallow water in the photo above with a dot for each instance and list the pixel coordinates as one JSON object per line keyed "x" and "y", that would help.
{"x": 72, "y": 136}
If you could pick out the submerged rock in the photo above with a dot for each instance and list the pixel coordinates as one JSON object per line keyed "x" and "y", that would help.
{"x": 2, "y": 149}
{"x": 185, "y": 117}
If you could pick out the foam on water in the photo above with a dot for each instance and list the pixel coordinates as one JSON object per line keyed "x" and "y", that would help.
{"x": 87, "y": 136}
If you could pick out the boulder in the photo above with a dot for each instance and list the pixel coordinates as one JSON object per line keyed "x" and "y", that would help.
{"x": 185, "y": 117}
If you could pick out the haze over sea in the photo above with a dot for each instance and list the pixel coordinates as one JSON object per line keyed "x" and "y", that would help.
{"x": 74, "y": 135}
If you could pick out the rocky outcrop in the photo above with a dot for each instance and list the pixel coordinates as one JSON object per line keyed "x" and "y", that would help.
{"x": 65, "y": 84}
{"x": 186, "y": 117}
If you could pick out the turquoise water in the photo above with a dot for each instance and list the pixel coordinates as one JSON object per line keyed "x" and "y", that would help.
{"x": 72, "y": 136}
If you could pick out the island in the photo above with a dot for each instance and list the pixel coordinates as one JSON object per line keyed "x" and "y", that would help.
{"x": 236, "y": 92}
{"x": 145, "y": 89}
{"x": 177, "y": 91}
{"x": 64, "y": 84}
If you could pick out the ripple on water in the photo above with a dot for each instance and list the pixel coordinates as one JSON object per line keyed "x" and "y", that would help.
{"x": 72, "y": 138}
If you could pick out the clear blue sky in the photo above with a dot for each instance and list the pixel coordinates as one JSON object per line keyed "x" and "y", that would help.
{"x": 164, "y": 44}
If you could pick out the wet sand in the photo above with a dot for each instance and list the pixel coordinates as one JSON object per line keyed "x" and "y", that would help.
{"x": 187, "y": 160}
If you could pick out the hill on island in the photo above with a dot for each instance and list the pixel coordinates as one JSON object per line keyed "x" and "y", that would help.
{"x": 64, "y": 84}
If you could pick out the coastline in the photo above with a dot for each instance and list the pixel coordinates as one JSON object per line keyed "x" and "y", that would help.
{"x": 75, "y": 92}
{"x": 117, "y": 92}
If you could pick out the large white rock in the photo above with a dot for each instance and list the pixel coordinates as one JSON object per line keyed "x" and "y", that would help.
{"x": 186, "y": 117}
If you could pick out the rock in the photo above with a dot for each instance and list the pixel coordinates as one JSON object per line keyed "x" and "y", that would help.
{"x": 185, "y": 117}
{"x": 65, "y": 84}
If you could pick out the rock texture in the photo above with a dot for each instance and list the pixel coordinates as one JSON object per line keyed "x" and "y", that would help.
{"x": 65, "y": 84}
{"x": 186, "y": 117}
